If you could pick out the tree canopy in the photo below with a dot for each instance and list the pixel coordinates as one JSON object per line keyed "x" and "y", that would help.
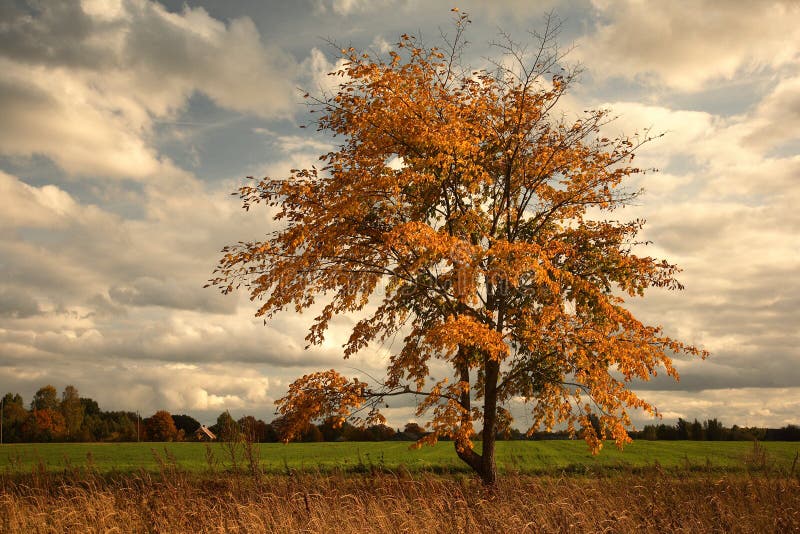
{"x": 463, "y": 212}
{"x": 161, "y": 427}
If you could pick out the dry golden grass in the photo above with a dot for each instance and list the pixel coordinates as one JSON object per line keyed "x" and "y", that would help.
{"x": 176, "y": 502}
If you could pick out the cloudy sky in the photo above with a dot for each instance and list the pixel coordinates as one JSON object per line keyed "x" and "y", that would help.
{"x": 126, "y": 125}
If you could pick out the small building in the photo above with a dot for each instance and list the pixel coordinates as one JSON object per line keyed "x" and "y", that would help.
{"x": 204, "y": 434}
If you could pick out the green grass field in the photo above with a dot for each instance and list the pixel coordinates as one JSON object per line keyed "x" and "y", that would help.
{"x": 521, "y": 456}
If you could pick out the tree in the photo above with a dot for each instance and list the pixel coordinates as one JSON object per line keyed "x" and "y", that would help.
{"x": 73, "y": 411}
{"x": 186, "y": 424}
{"x": 271, "y": 434}
{"x": 332, "y": 429}
{"x": 649, "y": 432}
{"x": 44, "y": 425}
{"x": 696, "y": 431}
{"x": 160, "y": 427}
{"x": 380, "y": 432}
{"x": 90, "y": 406}
{"x": 311, "y": 434}
{"x": 226, "y": 428}
{"x": 682, "y": 428}
{"x": 14, "y": 415}
{"x": 254, "y": 430}
{"x": 714, "y": 430}
{"x": 483, "y": 216}
{"x": 413, "y": 429}
{"x": 46, "y": 398}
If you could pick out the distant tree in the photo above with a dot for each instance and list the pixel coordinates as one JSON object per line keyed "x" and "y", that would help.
{"x": 46, "y": 398}
{"x": 666, "y": 432}
{"x": 73, "y": 412}
{"x": 380, "y": 432}
{"x": 649, "y": 432}
{"x": 682, "y": 429}
{"x": 93, "y": 426}
{"x": 517, "y": 434}
{"x": 14, "y": 415}
{"x": 278, "y": 426}
{"x": 786, "y": 433}
{"x": 714, "y": 430}
{"x": 355, "y": 433}
{"x": 161, "y": 427}
{"x": 186, "y": 424}
{"x": 13, "y": 398}
{"x": 413, "y": 429}
{"x": 226, "y": 428}
{"x": 121, "y": 426}
{"x": 44, "y": 426}
{"x": 271, "y": 434}
{"x": 90, "y": 406}
{"x": 253, "y": 430}
{"x": 791, "y": 433}
{"x": 333, "y": 428}
{"x": 696, "y": 431}
{"x": 311, "y": 434}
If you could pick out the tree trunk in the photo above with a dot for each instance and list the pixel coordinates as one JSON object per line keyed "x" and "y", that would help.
{"x": 483, "y": 464}
{"x": 488, "y": 470}
{"x": 463, "y": 450}
{"x": 469, "y": 456}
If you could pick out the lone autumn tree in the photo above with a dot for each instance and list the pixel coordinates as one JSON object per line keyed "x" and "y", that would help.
{"x": 481, "y": 213}
{"x": 161, "y": 427}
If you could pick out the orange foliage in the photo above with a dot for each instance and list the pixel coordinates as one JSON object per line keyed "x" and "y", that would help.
{"x": 484, "y": 238}
{"x": 160, "y": 427}
{"x": 44, "y": 425}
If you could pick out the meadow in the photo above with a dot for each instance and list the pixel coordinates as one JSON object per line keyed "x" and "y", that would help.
{"x": 531, "y": 457}
{"x": 545, "y": 486}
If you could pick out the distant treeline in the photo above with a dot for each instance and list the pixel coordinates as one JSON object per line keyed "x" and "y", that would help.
{"x": 70, "y": 417}
{"x": 714, "y": 430}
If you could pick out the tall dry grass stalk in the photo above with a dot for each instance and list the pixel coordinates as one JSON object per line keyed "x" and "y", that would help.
{"x": 178, "y": 502}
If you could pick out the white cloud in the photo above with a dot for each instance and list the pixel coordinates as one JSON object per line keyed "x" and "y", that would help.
{"x": 293, "y": 145}
{"x": 726, "y": 213}
{"x": 101, "y": 280}
{"x": 108, "y": 287}
{"x": 682, "y": 132}
{"x": 83, "y": 87}
{"x": 26, "y": 206}
{"x": 686, "y": 44}
{"x": 772, "y": 407}
{"x": 320, "y": 73}
{"x": 777, "y": 117}
{"x": 195, "y": 52}
{"x": 103, "y": 9}
{"x": 83, "y": 129}
{"x": 345, "y": 8}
